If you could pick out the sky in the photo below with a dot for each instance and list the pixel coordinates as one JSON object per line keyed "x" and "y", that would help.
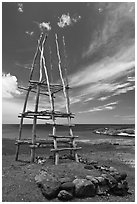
{"x": 100, "y": 58}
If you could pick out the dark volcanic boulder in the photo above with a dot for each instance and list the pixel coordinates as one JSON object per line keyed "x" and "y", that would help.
{"x": 65, "y": 195}
{"x": 92, "y": 179}
{"x": 121, "y": 189}
{"x": 48, "y": 184}
{"x": 68, "y": 186}
{"x": 112, "y": 169}
{"x": 111, "y": 181}
{"x": 89, "y": 167}
{"x": 101, "y": 180}
{"x": 119, "y": 176}
{"x": 102, "y": 190}
{"x": 65, "y": 180}
{"x": 50, "y": 189}
{"x": 123, "y": 176}
{"x": 84, "y": 188}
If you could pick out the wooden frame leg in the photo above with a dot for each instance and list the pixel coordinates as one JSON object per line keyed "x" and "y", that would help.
{"x": 17, "y": 152}
{"x": 56, "y": 158}
{"x": 76, "y": 157}
{"x": 32, "y": 156}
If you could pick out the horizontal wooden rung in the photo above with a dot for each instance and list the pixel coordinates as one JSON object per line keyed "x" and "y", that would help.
{"x": 32, "y": 117}
{"x": 64, "y": 125}
{"x": 39, "y": 142}
{"x": 66, "y": 148}
{"x": 59, "y": 136}
{"x": 30, "y": 89}
{"x": 47, "y": 113}
{"x": 23, "y": 142}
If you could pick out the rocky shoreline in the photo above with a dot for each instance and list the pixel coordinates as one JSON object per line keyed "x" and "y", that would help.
{"x": 126, "y": 132}
{"x": 96, "y": 159}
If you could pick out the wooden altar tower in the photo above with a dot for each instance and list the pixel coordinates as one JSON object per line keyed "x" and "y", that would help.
{"x": 43, "y": 86}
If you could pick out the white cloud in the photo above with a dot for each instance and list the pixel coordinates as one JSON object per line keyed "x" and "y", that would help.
{"x": 9, "y": 86}
{"x": 111, "y": 69}
{"x": 30, "y": 33}
{"x": 109, "y": 106}
{"x": 116, "y": 16}
{"x": 45, "y": 26}
{"x": 103, "y": 98}
{"x": 131, "y": 78}
{"x": 124, "y": 90}
{"x": 66, "y": 20}
{"x": 104, "y": 76}
{"x": 20, "y": 7}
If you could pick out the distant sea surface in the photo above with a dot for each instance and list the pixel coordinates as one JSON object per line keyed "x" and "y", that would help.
{"x": 84, "y": 131}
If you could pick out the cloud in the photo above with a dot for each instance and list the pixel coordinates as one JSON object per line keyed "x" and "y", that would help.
{"x": 131, "y": 78}
{"x": 30, "y": 33}
{"x": 20, "y": 8}
{"x": 111, "y": 55}
{"x": 124, "y": 90}
{"x": 109, "y": 106}
{"x": 118, "y": 23}
{"x": 66, "y": 20}
{"x": 25, "y": 66}
{"x": 107, "y": 68}
{"x": 9, "y": 86}
{"x": 43, "y": 26}
{"x": 102, "y": 89}
{"x": 103, "y": 98}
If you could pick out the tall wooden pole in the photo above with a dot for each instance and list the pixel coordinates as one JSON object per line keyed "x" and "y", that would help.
{"x": 51, "y": 65}
{"x": 36, "y": 103}
{"x": 51, "y": 97}
{"x": 35, "y": 57}
{"x": 34, "y": 125}
{"x": 26, "y": 99}
{"x": 21, "y": 123}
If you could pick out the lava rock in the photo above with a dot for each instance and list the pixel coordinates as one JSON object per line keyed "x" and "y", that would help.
{"x": 65, "y": 195}
{"x": 125, "y": 184}
{"x": 97, "y": 166}
{"x": 102, "y": 168}
{"x": 48, "y": 184}
{"x": 65, "y": 180}
{"x": 111, "y": 181}
{"x": 89, "y": 167}
{"x": 41, "y": 177}
{"x": 92, "y": 179}
{"x": 102, "y": 190}
{"x": 50, "y": 189}
{"x": 68, "y": 186}
{"x": 93, "y": 162}
{"x": 120, "y": 189}
{"x": 123, "y": 176}
{"x": 101, "y": 180}
{"x": 116, "y": 176}
{"x": 84, "y": 188}
{"x": 112, "y": 169}
{"x": 119, "y": 176}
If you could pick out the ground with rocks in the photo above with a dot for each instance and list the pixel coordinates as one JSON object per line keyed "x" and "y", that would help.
{"x": 101, "y": 176}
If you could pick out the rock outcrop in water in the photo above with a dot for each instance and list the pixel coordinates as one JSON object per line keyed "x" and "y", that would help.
{"x": 129, "y": 132}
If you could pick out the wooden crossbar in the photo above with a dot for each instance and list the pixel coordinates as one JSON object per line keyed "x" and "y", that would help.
{"x": 59, "y": 136}
{"x": 26, "y": 89}
{"x": 47, "y": 113}
{"x": 64, "y": 149}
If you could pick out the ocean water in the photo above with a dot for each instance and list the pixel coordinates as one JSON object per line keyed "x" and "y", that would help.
{"x": 84, "y": 131}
